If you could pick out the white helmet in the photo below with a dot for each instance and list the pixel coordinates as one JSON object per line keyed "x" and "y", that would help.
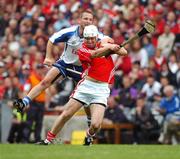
{"x": 90, "y": 31}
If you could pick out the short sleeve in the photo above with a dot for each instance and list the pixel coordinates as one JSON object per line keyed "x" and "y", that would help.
{"x": 84, "y": 55}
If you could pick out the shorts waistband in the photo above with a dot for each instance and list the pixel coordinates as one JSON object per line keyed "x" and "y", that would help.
{"x": 95, "y": 83}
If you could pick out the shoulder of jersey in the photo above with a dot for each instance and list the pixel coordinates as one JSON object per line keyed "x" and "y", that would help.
{"x": 71, "y": 29}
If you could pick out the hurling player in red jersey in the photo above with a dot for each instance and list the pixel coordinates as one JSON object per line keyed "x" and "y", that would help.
{"x": 93, "y": 90}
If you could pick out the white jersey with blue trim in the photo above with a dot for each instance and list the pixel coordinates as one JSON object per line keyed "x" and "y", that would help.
{"x": 70, "y": 36}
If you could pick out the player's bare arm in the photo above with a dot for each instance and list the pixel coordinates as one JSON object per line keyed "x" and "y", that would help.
{"x": 108, "y": 49}
{"x": 49, "y": 59}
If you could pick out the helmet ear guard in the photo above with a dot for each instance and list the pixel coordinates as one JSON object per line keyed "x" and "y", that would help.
{"x": 90, "y": 31}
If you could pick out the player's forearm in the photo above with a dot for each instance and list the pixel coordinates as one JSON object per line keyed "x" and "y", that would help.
{"x": 104, "y": 51}
{"x": 49, "y": 50}
{"x": 122, "y": 52}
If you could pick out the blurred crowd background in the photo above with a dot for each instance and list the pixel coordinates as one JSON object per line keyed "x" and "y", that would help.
{"x": 147, "y": 81}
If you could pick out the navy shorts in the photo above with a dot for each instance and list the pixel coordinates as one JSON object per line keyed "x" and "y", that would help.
{"x": 61, "y": 65}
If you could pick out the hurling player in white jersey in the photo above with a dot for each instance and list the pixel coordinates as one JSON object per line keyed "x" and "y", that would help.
{"x": 93, "y": 90}
{"x": 72, "y": 37}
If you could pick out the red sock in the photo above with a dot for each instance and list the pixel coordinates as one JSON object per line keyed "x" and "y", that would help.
{"x": 50, "y": 136}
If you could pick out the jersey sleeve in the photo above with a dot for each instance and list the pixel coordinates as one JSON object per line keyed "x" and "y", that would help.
{"x": 62, "y": 35}
{"x": 84, "y": 57}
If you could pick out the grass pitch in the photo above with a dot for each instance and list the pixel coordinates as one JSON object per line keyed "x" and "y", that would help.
{"x": 28, "y": 151}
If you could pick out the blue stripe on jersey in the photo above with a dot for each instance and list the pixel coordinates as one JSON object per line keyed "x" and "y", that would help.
{"x": 64, "y": 38}
{"x": 63, "y": 35}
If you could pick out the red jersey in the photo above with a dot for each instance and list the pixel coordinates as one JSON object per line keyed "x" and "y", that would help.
{"x": 100, "y": 68}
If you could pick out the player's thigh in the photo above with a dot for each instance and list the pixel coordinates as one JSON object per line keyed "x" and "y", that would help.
{"x": 72, "y": 106}
{"x": 97, "y": 113}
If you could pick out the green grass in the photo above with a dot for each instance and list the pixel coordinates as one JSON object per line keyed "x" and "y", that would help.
{"x": 27, "y": 151}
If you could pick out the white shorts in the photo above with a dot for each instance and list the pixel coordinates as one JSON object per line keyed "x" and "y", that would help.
{"x": 90, "y": 92}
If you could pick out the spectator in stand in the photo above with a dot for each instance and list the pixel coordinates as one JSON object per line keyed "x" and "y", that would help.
{"x": 117, "y": 36}
{"x": 41, "y": 43}
{"x": 172, "y": 22}
{"x": 137, "y": 53}
{"x": 164, "y": 82}
{"x": 146, "y": 127}
{"x": 157, "y": 15}
{"x": 17, "y": 126}
{"x": 126, "y": 8}
{"x": 176, "y": 49}
{"x": 137, "y": 75}
{"x": 4, "y": 22}
{"x": 113, "y": 113}
{"x": 165, "y": 71}
{"x": 170, "y": 5}
{"x": 23, "y": 46}
{"x": 36, "y": 109}
{"x": 13, "y": 26}
{"x": 11, "y": 91}
{"x": 2, "y": 87}
{"x": 146, "y": 73}
{"x": 152, "y": 91}
{"x": 158, "y": 61}
{"x": 107, "y": 28}
{"x": 148, "y": 46}
{"x": 61, "y": 22}
{"x": 173, "y": 68}
{"x": 124, "y": 64}
{"x": 166, "y": 41}
{"x": 176, "y": 8}
{"x": 42, "y": 24}
{"x": 170, "y": 108}
{"x": 24, "y": 73}
{"x": 127, "y": 96}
